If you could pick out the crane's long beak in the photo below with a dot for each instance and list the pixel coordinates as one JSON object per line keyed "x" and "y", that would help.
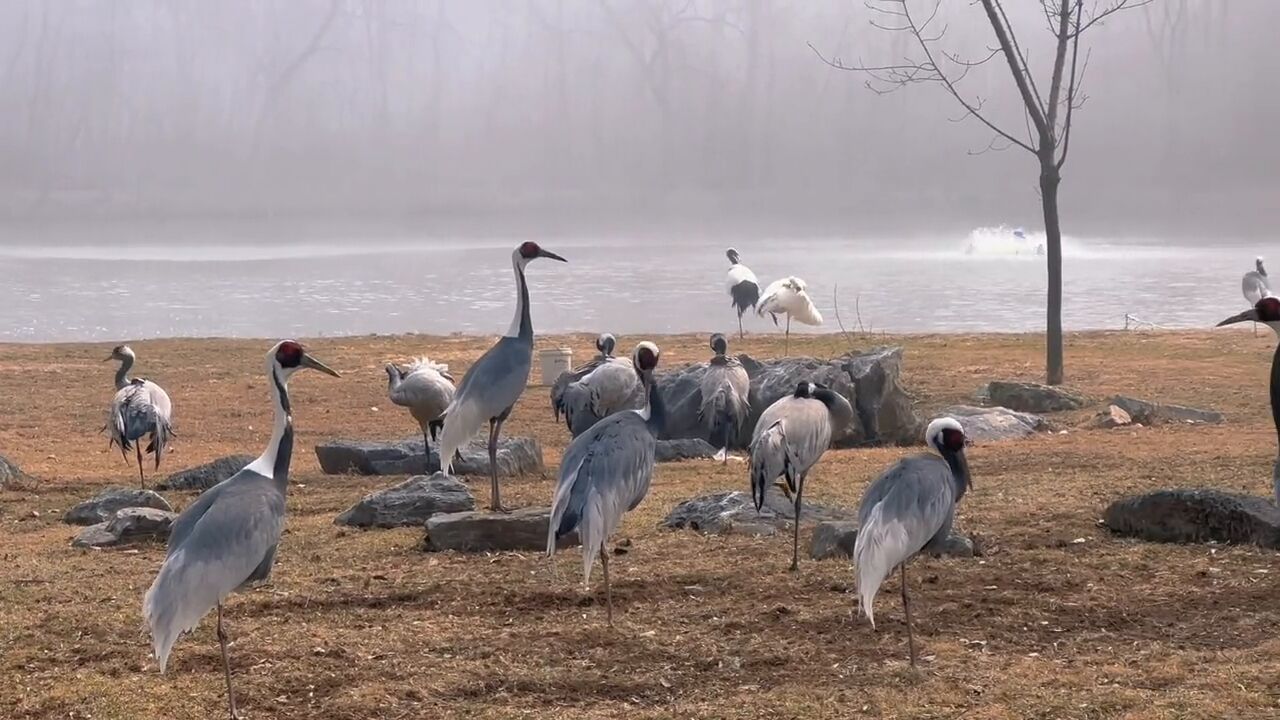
{"x": 314, "y": 364}
{"x": 1247, "y": 315}
{"x": 550, "y": 255}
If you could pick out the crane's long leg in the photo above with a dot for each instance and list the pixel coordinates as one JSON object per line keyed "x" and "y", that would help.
{"x": 495, "y": 500}
{"x": 226, "y": 666}
{"x": 740, "y": 335}
{"x": 906, "y": 607}
{"x": 786, "y": 343}
{"x": 795, "y": 537}
{"x": 142, "y": 481}
{"x": 608, "y": 591}
{"x": 426, "y": 452}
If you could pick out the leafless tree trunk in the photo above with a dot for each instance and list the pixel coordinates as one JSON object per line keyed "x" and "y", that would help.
{"x": 1048, "y": 120}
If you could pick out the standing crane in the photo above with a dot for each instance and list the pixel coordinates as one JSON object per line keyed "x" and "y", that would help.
{"x": 605, "y": 473}
{"x": 725, "y": 391}
{"x": 611, "y": 387}
{"x": 789, "y": 439}
{"x": 605, "y": 344}
{"x": 1267, "y": 312}
{"x": 907, "y": 509}
{"x": 789, "y": 296}
{"x": 1255, "y": 285}
{"x": 495, "y": 382}
{"x": 226, "y": 540}
{"x": 744, "y": 289}
{"x": 139, "y": 407}
{"x": 426, "y": 388}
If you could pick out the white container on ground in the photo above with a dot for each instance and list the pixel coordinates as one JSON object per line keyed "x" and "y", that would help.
{"x": 555, "y": 361}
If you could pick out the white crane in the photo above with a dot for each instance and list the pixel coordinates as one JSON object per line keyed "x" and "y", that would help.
{"x": 789, "y": 296}
{"x": 426, "y": 388}
{"x": 1255, "y": 285}
{"x": 138, "y": 408}
{"x": 725, "y": 391}
{"x": 907, "y": 509}
{"x": 790, "y": 437}
{"x": 605, "y": 472}
{"x": 744, "y": 289}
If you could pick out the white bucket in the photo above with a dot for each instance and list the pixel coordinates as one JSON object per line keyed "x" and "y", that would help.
{"x": 554, "y": 362}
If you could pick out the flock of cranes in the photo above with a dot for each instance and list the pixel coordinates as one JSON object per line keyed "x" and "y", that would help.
{"x": 227, "y": 539}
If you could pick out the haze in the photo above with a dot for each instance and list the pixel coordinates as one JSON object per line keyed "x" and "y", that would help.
{"x": 589, "y": 117}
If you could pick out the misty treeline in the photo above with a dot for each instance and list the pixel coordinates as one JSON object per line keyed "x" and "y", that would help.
{"x": 556, "y": 114}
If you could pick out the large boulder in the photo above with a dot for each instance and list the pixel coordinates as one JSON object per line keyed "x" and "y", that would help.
{"x": 104, "y": 506}
{"x": 870, "y": 381}
{"x": 835, "y": 539}
{"x": 683, "y": 449}
{"x": 1195, "y": 516}
{"x": 10, "y": 474}
{"x": 478, "y": 531}
{"x": 735, "y": 512}
{"x": 1030, "y": 397}
{"x": 994, "y": 423}
{"x": 203, "y": 477}
{"x": 516, "y": 456}
{"x": 1154, "y": 413}
{"x": 410, "y": 503}
{"x": 128, "y": 525}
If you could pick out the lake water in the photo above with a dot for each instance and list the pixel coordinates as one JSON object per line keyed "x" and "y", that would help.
{"x": 68, "y": 293}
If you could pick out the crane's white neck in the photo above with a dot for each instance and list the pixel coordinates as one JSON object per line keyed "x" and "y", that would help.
{"x": 520, "y": 322}
{"x": 274, "y": 460}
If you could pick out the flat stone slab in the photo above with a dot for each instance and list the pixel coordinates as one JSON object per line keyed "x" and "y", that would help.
{"x": 836, "y": 539}
{"x": 683, "y": 449}
{"x": 104, "y": 506}
{"x": 203, "y": 477}
{"x": 1030, "y": 397}
{"x": 128, "y": 525}
{"x": 1154, "y": 413}
{"x": 410, "y": 503}
{"x": 735, "y": 512}
{"x": 480, "y": 531}
{"x": 1113, "y": 417}
{"x": 995, "y": 423}
{"x": 516, "y": 456}
{"x": 10, "y": 474}
{"x": 1196, "y": 516}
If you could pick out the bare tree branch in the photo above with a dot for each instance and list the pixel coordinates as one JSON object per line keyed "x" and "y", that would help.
{"x": 1117, "y": 6}
{"x": 1019, "y": 71}
{"x": 1072, "y": 88}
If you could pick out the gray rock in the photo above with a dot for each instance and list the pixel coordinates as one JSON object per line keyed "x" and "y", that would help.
{"x": 410, "y": 503}
{"x": 684, "y": 449}
{"x": 735, "y": 512}
{"x": 10, "y": 474}
{"x": 1154, "y": 413}
{"x": 1195, "y": 516}
{"x": 523, "y": 529}
{"x": 516, "y": 456}
{"x": 994, "y": 423}
{"x": 835, "y": 539}
{"x": 869, "y": 381}
{"x": 1030, "y": 397}
{"x": 128, "y": 525}
{"x": 1113, "y": 417}
{"x": 103, "y": 506}
{"x": 205, "y": 476}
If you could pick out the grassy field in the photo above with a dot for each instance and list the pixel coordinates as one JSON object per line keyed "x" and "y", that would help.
{"x": 1058, "y": 620}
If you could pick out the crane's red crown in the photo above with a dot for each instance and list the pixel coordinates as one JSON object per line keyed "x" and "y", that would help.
{"x": 289, "y": 354}
{"x": 529, "y": 250}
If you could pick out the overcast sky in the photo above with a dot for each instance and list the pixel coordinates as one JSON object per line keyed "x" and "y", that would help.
{"x": 617, "y": 116}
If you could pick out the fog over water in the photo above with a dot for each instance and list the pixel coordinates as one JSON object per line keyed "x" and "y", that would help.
{"x": 171, "y": 167}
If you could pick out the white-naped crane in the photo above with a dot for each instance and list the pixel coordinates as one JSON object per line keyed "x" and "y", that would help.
{"x": 725, "y": 391}
{"x": 495, "y": 382}
{"x": 743, "y": 287}
{"x": 605, "y": 472}
{"x": 226, "y": 540}
{"x": 426, "y": 389}
{"x": 1267, "y": 312}
{"x": 1255, "y": 285}
{"x": 909, "y": 508}
{"x": 789, "y": 439}
{"x": 605, "y": 345}
{"x": 140, "y": 407}
{"x": 789, "y": 296}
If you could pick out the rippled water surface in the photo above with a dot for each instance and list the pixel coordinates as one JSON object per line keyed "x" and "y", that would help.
{"x": 67, "y": 293}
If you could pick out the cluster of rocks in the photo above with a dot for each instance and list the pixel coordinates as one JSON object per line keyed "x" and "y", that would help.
{"x": 120, "y": 516}
{"x": 515, "y": 456}
{"x": 1015, "y": 409}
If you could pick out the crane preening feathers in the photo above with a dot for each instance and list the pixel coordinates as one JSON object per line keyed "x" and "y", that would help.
{"x": 426, "y": 389}
{"x": 725, "y": 390}
{"x": 789, "y": 296}
{"x": 909, "y": 508}
{"x": 139, "y": 407}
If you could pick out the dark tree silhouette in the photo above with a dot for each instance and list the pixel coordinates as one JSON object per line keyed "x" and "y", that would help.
{"x": 1048, "y": 119}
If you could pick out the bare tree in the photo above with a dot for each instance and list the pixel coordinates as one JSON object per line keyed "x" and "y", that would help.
{"x": 1047, "y": 131}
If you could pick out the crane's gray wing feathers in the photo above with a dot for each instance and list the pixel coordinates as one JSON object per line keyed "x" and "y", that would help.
{"x": 605, "y": 472}
{"x": 490, "y": 388}
{"x": 137, "y": 409}
{"x": 901, "y": 512}
{"x": 217, "y": 546}
{"x": 724, "y": 390}
{"x": 609, "y": 388}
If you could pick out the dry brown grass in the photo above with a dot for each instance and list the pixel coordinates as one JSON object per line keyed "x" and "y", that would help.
{"x": 364, "y": 625}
